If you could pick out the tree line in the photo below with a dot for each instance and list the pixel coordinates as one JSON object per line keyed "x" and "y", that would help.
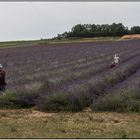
{"x": 96, "y": 30}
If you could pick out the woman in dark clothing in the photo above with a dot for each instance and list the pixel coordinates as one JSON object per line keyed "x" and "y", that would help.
{"x": 2, "y": 78}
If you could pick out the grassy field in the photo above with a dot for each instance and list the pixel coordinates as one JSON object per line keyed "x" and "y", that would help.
{"x": 76, "y": 40}
{"x": 28, "y": 123}
{"x": 11, "y": 44}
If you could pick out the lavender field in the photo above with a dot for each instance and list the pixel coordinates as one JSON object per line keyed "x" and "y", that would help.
{"x": 69, "y": 77}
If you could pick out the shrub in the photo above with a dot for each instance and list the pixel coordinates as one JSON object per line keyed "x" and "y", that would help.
{"x": 127, "y": 101}
{"x": 23, "y": 99}
{"x": 62, "y": 102}
{"x": 19, "y": 99}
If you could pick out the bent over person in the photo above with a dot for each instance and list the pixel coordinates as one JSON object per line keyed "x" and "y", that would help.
{"x": 2, "y": 78}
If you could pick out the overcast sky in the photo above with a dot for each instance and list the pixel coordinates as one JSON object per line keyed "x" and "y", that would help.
{"x": 35, "y": 20}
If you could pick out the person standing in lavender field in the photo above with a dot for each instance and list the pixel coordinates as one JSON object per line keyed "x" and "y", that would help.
{"x": 2, "y": 78}
{"x": 115, "y": 62}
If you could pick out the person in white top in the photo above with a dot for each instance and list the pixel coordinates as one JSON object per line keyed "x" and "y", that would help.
{"x": 116, "y": 59}
{"x": 115, "y": 62}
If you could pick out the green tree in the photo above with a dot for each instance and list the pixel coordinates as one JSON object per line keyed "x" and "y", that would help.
{"x": 97, "y": 30}
{"x": 135, "y": 30}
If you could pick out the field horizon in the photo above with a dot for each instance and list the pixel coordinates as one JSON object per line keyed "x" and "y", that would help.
{"x": 23, "y": 43}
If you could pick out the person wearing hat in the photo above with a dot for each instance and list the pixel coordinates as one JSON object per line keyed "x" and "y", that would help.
{"x": 2, "y": 78}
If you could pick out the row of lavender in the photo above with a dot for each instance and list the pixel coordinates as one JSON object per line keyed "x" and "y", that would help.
{"x": 97, "y": 61}
{"x": 123, "y": 97}
{"x": 71, "y": 76}
{"x": 82, "y": 93}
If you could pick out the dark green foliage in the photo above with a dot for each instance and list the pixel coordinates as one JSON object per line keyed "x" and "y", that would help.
{"x": 18, "y": 99}
{"x": 62, "y": 102}
{"x": 104, "y": 30}
{"x": 22, "y": 99}
{"x": 128, "y": 101}
{"x": 135, "y": 30}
